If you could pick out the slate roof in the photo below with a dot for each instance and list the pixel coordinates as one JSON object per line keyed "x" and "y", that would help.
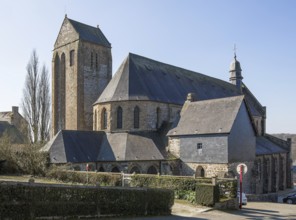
{"x": 14, "y": 135}
{"x": 140, "y": 78}
{"x": 208, "y": 117}
{"x": 265, "y": 146}
{"x": 89, "y": 33}
{"x": 91, "y": 146}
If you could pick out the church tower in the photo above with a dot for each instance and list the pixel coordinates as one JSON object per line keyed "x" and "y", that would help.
{"x": 81, "y": 69}
{"x": 236, "y": 73}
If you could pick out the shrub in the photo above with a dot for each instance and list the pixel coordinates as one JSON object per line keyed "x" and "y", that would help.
{"x": 25, "y": 201}
{"x": 103, "y": 179}
{"x": 22, "y": 159}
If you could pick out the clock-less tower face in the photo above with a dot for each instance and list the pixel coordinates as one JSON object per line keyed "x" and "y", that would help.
{"x": 81, "y": 69}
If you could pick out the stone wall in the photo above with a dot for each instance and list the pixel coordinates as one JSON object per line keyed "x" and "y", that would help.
{"x": 211, "y": 170}
{"x": 81, "y": 71}
{"x": 149, "y": 120}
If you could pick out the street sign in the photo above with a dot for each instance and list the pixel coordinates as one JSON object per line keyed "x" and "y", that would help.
{"x": 245, "y": 168}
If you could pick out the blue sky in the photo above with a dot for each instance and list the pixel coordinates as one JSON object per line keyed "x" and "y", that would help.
{"x": 193, "y": 34}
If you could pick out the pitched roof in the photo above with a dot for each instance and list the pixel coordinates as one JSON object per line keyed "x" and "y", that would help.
{"x": 13, "y": 134}
{"x": 89, "y": 33}
{"x": 91, "y": 146}
{"x": 208, "y": 117}
{"x": 140, "y": 78}
{"x": 265, "y": 145}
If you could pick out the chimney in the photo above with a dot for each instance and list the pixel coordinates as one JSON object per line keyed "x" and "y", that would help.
{"x": 15, "y": 109}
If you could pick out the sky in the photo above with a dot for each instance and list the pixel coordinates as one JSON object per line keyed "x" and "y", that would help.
{"x": 197, "y": 35}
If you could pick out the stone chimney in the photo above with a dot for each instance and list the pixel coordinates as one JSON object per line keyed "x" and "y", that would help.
{"x": 15, "y": 109}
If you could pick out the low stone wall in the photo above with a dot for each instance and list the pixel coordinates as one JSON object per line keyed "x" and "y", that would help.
{"x": 228, "y": 204}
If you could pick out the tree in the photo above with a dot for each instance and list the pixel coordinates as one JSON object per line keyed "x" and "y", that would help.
{"x": 36, "y": 100}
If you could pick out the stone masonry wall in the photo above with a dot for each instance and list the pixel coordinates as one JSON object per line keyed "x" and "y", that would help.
{"x": 148, "y": 115}
{"x": 80, "y": 82}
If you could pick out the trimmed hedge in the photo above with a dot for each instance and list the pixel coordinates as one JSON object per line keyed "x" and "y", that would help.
{"x": 207, "y": 194}
{"x": 93, "y": 178}
{"x": 168, "y": 182}
{"x": 28, "y": 201}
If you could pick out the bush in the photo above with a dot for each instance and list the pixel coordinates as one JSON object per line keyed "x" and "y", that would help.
{"x": 93, "y": 178}
{"x": 25, "y": 201}
{"x": 22, "y": 159}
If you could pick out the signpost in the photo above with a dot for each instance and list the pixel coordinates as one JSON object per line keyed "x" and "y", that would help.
{"x": 241, "y": 169}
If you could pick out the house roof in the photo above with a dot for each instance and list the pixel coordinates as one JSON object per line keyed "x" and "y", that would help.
{"x": 140, "y": 78}
{"x": 208, "y": 117}
{"x": 89, "y": 33}
{"x": 265, "y": 145}
{"x": 13, "y": 134}
{"x": 91, "y": 146}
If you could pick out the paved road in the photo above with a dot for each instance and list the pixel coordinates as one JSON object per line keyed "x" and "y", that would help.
{"x": 254, "y": 210}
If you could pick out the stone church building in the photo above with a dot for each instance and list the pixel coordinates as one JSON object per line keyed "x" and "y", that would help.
{"x": 152, "y": 117}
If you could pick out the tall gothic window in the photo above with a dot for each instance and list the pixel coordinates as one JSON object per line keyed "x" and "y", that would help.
{"x": 91, "y": 60}
{"x": 104, "y": 119}
{"x": 97, "y": 61}
{"x": 119, "y": 117}
{"x": 136, "y": 117}
{"x": 157, "y": 117}
{"x": 95, "y": 121}
{"x": 72, "y": 54}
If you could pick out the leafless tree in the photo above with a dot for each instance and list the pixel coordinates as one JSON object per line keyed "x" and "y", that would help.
{"x": 36, "y": 100}
{"x": 44, "y": 104}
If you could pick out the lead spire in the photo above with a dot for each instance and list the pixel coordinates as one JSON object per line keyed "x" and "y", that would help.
{"x": 235, "y": 72}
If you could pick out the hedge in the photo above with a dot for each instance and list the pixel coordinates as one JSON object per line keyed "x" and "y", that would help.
{"x": 93, "y": 178}
{"x": 28, "y": 201}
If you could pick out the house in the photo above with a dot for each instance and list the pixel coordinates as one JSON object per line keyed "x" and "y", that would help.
{"x": 14, "y": 126}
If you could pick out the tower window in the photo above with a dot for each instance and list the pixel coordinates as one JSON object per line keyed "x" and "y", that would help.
{"x": 136, "y": 117}
{"x": 72, "y": 54}
{"x": 104, "y": 119}
{"x": 199, "y": 146}
{"x": 96, "y": 61}
{"x": 119, "y": 117}
{"x": 158, "y": 117}
{"x": 91, "y": 59}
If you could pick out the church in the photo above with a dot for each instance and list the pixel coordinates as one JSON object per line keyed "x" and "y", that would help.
{"x": 152, "y": 117}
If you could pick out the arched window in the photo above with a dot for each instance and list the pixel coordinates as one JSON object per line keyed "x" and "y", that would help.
{"x": 136, "y": 117}
{"x": 101, "y": 169}
{"x": 152, "y": 170}
{"x": 72, "y": 56}
{"x": 158, "y": 112}
{"x": 200, "y": 172}
{"x": 104, "y": 119}
{"x": 95, "y": 121}
{"x": 119, "y": 117}
{"x": 115, "y": 170}
{"x": 135, "y": 169}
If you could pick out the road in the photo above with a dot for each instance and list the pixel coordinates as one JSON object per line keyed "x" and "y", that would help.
{"x": 254, "y": 210}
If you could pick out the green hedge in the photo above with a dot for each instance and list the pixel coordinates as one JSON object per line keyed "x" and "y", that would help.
{"x": 93, "y": 178}
{"x": 167, "y": 182}
{"x": 207, "y": 194}
{"x": 184, "y": 187}
{"x": 27, "y": 201}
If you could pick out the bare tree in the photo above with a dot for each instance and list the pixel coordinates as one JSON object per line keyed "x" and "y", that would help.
{"x": 44, "y": 105}
{"x": 36, "y": 100}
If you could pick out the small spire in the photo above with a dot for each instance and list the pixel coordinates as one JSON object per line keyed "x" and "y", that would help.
{"x": 234, "y": 50}
{"x": 65, "y": 15}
